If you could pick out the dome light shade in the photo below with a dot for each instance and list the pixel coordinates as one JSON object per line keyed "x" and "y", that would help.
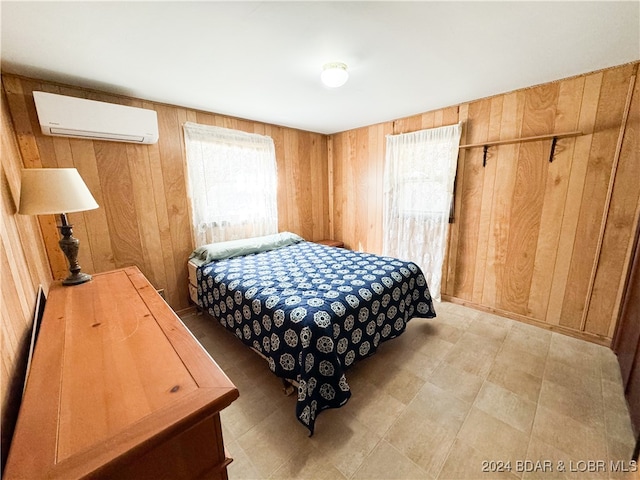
{"x": 334, "y": 74}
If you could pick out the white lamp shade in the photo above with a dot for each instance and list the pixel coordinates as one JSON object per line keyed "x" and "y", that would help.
{"x": 53, "y": 190}
{"x": 334, "y": 74}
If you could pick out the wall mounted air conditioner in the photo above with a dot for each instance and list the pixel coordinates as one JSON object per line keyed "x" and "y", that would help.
{"x": 64, "y": 116}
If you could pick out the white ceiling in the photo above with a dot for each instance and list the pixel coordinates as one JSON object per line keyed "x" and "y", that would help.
{"x": 262, "y": 60}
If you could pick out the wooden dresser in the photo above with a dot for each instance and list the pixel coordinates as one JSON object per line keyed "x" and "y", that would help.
{"x": 119, "y": 388}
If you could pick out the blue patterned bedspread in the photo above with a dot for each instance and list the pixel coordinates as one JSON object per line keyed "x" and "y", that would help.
{"x": 314, "y": 310}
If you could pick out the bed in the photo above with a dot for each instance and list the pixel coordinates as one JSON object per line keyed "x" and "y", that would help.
{"x": 311, "y": 310}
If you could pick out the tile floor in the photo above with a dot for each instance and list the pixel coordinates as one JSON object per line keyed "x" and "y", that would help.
{"x": 451, "y": 397}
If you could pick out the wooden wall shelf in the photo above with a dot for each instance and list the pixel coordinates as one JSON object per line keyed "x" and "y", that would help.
{"x": 554, "y": 137}
{"x": 536, "y": 138}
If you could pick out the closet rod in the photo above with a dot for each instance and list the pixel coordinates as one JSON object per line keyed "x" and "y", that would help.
{"x": 521, "y": 140}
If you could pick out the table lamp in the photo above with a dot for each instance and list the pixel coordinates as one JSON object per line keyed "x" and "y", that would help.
{"x": 58, "y": 191}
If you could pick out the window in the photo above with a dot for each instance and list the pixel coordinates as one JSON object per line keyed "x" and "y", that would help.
{"x": 422, "y": 190}
{"x": 420, "y": 169}
{"x": 232, "y": 183}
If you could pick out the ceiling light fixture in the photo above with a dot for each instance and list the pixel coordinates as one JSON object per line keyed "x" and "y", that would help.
{"x": 334, "y": 74}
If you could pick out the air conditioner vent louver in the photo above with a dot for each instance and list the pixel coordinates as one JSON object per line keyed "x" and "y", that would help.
{"x": 73, "y": 117}
{"x": 95, "y": 135}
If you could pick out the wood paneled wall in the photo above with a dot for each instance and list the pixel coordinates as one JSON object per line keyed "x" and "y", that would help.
{"x": 546, "y": 243}
{"x": 144, "y": 217}
{"x": 24, "y": 267}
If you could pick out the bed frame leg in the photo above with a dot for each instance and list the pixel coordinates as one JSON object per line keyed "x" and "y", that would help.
{"x": 287, "y": 387}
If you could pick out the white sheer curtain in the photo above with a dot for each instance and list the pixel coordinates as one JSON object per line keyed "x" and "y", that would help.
{"x": 420, "y": 168}
{"x": 232, "y": 183}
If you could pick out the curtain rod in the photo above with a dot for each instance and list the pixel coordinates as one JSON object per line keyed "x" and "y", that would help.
{"x": 521, "y": 140}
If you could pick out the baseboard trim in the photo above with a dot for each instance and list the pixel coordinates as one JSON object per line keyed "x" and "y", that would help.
{"x": 589, "y": 337}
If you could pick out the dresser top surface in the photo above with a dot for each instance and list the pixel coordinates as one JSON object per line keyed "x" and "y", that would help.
{"x": 114, "y": 371}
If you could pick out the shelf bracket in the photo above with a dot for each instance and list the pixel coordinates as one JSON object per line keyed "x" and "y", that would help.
{"x": 484, "y": 155}
{"x": 553, "y": 149}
